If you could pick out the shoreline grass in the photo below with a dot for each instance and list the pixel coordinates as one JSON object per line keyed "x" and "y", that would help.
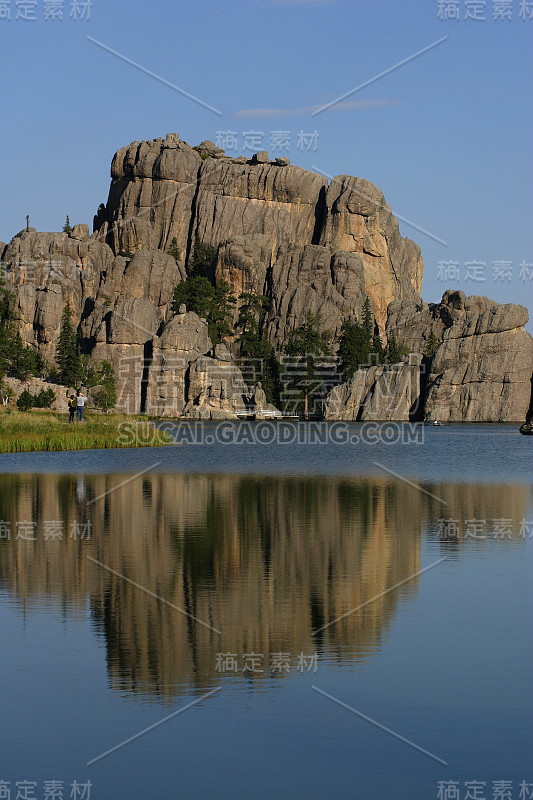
{"x": 50, "y": 431}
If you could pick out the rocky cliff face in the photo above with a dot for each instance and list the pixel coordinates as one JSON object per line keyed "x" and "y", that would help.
{"x": 379, "y": 393}
{"x": 280, "y": 231}
{"x": 164, "y": 364}
{"x": 481, "y": 370}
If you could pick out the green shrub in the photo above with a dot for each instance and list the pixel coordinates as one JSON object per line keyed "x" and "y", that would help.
{"x": 25, "y": 401}
{"x": 44, "y": 399}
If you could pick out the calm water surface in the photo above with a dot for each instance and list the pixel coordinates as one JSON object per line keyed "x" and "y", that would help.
{"x": 291, "y": 602}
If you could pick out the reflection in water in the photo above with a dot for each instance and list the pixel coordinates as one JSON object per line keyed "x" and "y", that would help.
{"x": 265, "y": 560}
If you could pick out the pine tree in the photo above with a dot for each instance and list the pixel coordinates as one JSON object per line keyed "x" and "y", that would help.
{"x": 368, "y": 318}
{"x": 22, "y": 361}
{"x": 258, "y": 354}
{"x": 107, "y": 396}
{"x": 251, "y": 310}
{"x": 202, "y": 257}
{"x": 16, "y": 359}
{"x": 431, "y": 345}
{"x": 67, "y": 227}
{"x": 25, "y": 401}
{"x": 354, "y": 348}
{"x": 213, "y": 303}
{"x": 307, "y": 342}
{"x": 174, "y": 250}
{"x": 6, "y": 326}
{"x": 378, "y": 350}
{"x": 393, "y": 351}
{"x": 196, "y": 293}
{"x": 220, "y": 311}
{"x": 68, "y": 357}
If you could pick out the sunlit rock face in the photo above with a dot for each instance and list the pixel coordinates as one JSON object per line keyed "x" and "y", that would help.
{"x": 281, "y": 230}
{"x": 307, "y": 243}
{"x": 480, "y": 371}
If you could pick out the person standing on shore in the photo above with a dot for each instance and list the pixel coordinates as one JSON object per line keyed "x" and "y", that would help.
{"x": 81, "y": 399}
{"x": 71, "y": 407}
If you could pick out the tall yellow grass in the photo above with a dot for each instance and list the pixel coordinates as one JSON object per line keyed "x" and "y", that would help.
{"x": 26, "y": 431}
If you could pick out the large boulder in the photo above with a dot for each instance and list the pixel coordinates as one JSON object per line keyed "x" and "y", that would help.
{"x": 124, "y": 339}
{"x": 358, "y": 219}
{"x": 150, "y": 274}
{"x": 153, "y": 186}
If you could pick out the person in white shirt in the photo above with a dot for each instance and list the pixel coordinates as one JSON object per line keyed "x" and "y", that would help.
{"x": 80, "y": 403}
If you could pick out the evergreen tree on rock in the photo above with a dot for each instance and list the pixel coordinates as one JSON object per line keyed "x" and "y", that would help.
{"x": 68, "y": 357}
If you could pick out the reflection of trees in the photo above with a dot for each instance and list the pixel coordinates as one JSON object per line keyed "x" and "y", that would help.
{"x": 266, "y": 560}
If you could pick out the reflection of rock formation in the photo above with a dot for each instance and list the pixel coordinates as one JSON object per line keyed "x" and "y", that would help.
{"x": 265, "y": 560}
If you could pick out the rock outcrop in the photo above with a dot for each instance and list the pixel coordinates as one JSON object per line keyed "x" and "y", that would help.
{"x": 259, "y": 406}
{"x": 34, "y": 386}
{"x": 379, "y": 393}
{"x": 122, "y": 307}
{"x": 45, "y": 270}
{"x": 278, "y": 230}
{"x": 480, "y": 372}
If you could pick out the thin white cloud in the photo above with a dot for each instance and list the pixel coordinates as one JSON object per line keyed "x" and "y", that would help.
{"x": 299, "y": 2}
{"x": 347, "y": 105}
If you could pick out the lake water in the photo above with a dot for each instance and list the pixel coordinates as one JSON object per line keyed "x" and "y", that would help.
{"x": 346, "y": 619}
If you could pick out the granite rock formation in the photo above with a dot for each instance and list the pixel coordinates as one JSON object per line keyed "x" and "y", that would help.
{"x": 122, "y": 307}
{"x": 481, "y": 370}
{"x": 287, "y": 233}
{"x": 280, "y": 230}
{"x": 379, "y": 393}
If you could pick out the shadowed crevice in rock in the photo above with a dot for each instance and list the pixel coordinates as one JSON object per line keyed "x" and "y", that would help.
{"x": 190, "y": 233}
{"x": 320, "y": 210}
{"x": 529, "y": 415}
{"x": 148, "y": 358}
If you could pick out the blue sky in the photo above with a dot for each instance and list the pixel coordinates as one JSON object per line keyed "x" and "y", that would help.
{"x": 446, "y": 136}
